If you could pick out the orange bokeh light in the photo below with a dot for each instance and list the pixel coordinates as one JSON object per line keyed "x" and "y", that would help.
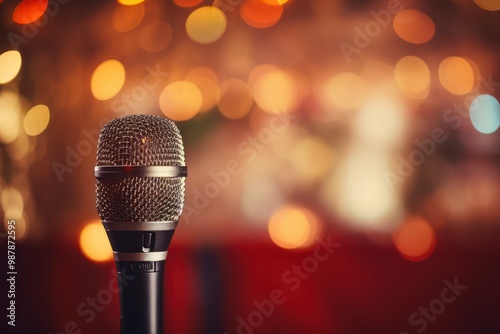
{"x": 260, "y": 13}
{"x": 28, "y": 11}
{"x": 414, "y": 26}
{"x": 187, "y": 3}
{"x": 415, "y": 240}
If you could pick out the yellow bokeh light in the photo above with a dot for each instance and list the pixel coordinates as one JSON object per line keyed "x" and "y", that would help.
{"x": 490, "y": 5}
{"x": 12, "y": 203}
{"x": 414, "y": 26}
{"x": 293, "y": 227}
{"x": 36, "y": 120}
{"x": 181, "y": 100}
{"x": 9, "y": 116}
{"x": 412, "y": 77}
{"x": 156, "y": 36}
{"x": 94, "y": 242}
{"x": 312, "y": 157}
{"x": 345, "y": 91}
{"x": 130, "y": 2}
{"x": 275, "y": 92}
{"x": 206, "y": 24}
{"x": 208, "y": 83}
{"x": 108, "y": 79}
{"x": 126, "y": 18}
{"x": 10, "y": 65}
{"x": 415, "y": 240}
{"x": 235, "y": 100}
{"x": 457, "y": 75}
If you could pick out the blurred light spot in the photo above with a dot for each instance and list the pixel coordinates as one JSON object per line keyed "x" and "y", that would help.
{"x": 413, "y": 77}
{"x": 19, "y": 148}
{"x": 236, "y": 99}
{"x": 275, "y": 92}
{"x": 208, "y": 83}
{"x": 361, "y": 193}
{"x": 180, "y": 100}
{"x": 126, "y": 18}
{"x": 490, "y": 5}
{"x": 293, "y": 227}
{"x": 12, "y": 203}
{"x": 485, "y": 114}
{"x": 94, "y": 242}
{"x": 415, "y": 240}
{"x": 28, "y": 11}
{"x": 261, "y": 13}
{"x": 107, "y": 80}
{"x": 413, "y": 26}
{"x": 10, "y": 65}
{"x": 206, "y": 24}
{"x": 345, "y": 91}
{"x": 187, "y": 3}
{"x": 36, "y": 120}
{"x": 457, "y": 75}
{"x": 260, "y": 197}
{"x": 312, "y": 157}
{"x": 156, "y": 36}
{"x": 9, "y": 116}
{"x": 380, "y": 121}
{"x": 130, "y": 2}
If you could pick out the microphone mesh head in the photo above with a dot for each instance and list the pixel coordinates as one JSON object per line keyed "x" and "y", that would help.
{"x": 140, "y": 140}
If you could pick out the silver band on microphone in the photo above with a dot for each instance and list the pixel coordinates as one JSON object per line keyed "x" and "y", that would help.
{"x": 140, "y": 171}
{"x": 140, "y": 226}
{"x": 153, "y": 256}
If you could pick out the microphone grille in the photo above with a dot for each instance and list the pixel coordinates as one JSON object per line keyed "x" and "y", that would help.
{"x": 140, "y": 140}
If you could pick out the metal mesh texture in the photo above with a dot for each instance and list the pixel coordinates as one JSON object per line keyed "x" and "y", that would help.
{"x": 140, "y": 140}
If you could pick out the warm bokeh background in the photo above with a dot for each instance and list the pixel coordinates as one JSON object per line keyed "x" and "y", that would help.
{"x": 343, "y": 161}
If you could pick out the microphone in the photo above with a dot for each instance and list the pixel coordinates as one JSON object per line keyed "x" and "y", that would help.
{"x": 140, "y": 182}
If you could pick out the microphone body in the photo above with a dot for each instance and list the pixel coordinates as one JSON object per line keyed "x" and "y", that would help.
{"x": 140, "y": 194}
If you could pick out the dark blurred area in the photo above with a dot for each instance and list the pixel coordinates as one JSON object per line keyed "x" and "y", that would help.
{"x": 343, "y": 162}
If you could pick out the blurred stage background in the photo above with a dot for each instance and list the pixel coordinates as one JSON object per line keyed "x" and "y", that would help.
{"x": 366, "y": 125}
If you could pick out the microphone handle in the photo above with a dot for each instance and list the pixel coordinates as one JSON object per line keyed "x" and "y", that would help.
{"x": 141, "y": 296}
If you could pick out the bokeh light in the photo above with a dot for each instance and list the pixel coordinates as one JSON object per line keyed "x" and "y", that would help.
{"x": 10, "y": 65}
{"x": 9, "y": 116}
{"x": 36, "y": 120}
{"x": 12, "y": 203}
{"x": 490, "y": 5}
{"x": 94, "y": 242}
{"x": 126, "y": 18}
{"x": 108, "y": 79}
{"x": 259, "y": 198}
{"x": 275, "y": 92}
{"x": 180, "y": 100}
{"x": 485, "y": 114}
{"x": 292, "y": 227}
{"x": 156, "y": 36}
{"x": 261, "y": 13}
{"x": 187, "y": 3}
{"x": 130, "y": 2}
{"x": 312, "y": 157}
{"x": 413, "y": 77}
{"x": 208, "y": 83}
{"x": 345, "y": 91}
{"x": 235, "y": 100}
{"x": 415, "y": 240}
{"x": 457, "y": 75}
{"x": 206, "y": 24}
{"x": 28, "y": 11}
{"x": 414, "y": 26}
